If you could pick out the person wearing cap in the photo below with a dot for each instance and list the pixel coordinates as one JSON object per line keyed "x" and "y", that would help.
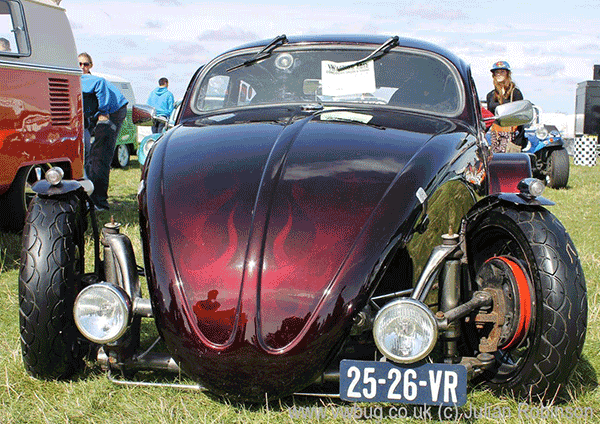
{"x": 504, "y": 139}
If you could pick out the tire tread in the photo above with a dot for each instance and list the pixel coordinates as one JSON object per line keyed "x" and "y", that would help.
{"x": 47, "y": 286}
{"x": 564, "y": 317}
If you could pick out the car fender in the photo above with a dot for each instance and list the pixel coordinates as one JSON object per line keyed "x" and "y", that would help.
{"x": 512, "y": 200}
{"x": 519, "y": 199}
{"x": 538, "y": 148}
{"x": 506, "y": 170}
{"x": 44, "y": 188}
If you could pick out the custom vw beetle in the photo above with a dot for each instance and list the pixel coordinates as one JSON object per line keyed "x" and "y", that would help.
{"x": 325, "y": 215}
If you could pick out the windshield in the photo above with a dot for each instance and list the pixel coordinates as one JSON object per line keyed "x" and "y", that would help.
{"x": 406, "y": 79}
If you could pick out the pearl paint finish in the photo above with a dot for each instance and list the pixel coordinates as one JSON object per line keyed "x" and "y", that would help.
{"x": 265, "y": 260}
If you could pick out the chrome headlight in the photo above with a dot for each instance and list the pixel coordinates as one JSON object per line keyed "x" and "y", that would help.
{"x": 531, "y": 187}
{"x": 148, "y": 147}
{"x": 54, "y": 175}
{"x": 405, "y": 331}
{"x": 102, "y": 312}
{"x": 541, "y": 133}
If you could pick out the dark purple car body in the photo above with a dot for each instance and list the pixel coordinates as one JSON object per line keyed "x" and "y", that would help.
{"x": 282, "y": 206}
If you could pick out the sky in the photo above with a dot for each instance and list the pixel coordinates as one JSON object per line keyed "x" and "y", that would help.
{"x": 550, "y": 48}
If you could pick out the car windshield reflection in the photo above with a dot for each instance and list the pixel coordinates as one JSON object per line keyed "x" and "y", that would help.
{"x": 402, "y": 78}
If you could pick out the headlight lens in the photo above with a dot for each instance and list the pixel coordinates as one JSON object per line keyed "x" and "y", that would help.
{"x": 405, "y": 331}
{"x": 531, "y": 187}
{"x": 54, "y": 175}
{"x": 148, "y": 146}
{"x": 541, "y": 133}
{"x": 102, "y": 312}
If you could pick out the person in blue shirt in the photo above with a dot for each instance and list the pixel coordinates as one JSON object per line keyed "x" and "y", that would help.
{"x": 105, "y": 109}
{"x": 162, "y": 100}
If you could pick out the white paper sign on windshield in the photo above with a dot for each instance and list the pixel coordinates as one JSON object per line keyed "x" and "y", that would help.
{"x": 355, "y": 80}
{"x": 341, "y": 115}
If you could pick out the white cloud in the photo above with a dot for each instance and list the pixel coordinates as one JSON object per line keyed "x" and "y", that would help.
{"x": 548, "y": 69}
{"x": 186, "y": 49}
{"x": 168, "y": 2}
{"x": 153, "y": 24}
{"x": 139, "y": 63}
{"x": 228, "y": 33}
{"x": 550, "y": 47}
{"x": 430, "y": 12}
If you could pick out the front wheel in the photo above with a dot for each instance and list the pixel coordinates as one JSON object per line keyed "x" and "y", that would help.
{"x": 557, "y": 169}
{"x": 528, "y": 257}
{"x": 121, "y": 157}
{"x": 51, "y": 264}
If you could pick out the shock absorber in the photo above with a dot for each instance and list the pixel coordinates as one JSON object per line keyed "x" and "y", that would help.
{"x": 110, "y": 268}
{"x": 120, "y": 270}
{"x": 449, "y": 294}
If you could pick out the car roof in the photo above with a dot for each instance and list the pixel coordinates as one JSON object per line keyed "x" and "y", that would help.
{"x": 122, "y": 84}
{"x": 47, "y": 2}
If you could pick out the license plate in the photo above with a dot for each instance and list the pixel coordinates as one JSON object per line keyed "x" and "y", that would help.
{"x": 428, "y": 384}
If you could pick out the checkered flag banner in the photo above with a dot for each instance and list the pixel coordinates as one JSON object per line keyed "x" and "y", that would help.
{"x": 585, "y": 150}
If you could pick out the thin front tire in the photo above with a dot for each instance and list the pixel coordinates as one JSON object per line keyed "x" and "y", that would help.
{"x": 51, "y": 264}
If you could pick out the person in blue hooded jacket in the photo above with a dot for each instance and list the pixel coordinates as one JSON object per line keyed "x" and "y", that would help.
{"x": 105, "y": 108}
{"x": 162, "y": 100}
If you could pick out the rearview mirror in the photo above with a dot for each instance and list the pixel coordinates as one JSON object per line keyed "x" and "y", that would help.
{"x": 514, "y": 114}
{"x": 311, "y": 86}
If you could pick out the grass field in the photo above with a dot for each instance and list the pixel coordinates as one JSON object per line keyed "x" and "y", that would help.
{"x": 91, "y": 398}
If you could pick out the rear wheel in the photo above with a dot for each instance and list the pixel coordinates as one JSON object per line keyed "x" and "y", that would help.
{"x": 558, "y": 169}
{"x": 16, "y": 200}
{"x": 528, "y": 258}
{"x": 51, "y": 264}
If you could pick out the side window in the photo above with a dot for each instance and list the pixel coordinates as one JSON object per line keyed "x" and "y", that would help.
{"x": 246, "y": 94}
{"x": 13, "y": 33}
{"x": 216, "y": 92}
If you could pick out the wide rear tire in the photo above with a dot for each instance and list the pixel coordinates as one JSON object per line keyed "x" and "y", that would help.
{"x": 51, "y": 264}
{"x": 549, "y": 304}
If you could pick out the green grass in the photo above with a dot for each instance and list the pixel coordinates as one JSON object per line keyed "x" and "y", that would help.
{"x": 91, "y": 398}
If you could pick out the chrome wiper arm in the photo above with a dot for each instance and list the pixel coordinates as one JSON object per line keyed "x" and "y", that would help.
{"x": 377, "y": 53}
{"x": 263, "y": 54}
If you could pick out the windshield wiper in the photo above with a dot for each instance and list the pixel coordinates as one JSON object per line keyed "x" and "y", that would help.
{"x": 263, "y": 54}
{"x": 379, "y": 52}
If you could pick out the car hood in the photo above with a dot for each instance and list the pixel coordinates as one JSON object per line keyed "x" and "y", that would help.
{"x": 264, "y": 230}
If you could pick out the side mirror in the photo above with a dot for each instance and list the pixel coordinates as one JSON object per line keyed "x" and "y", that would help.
{"x": 514, "y": 114}
{"x": 144, "y": 115}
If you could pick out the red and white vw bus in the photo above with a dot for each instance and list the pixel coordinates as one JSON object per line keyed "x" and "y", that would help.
{"x": 41, "y": 115}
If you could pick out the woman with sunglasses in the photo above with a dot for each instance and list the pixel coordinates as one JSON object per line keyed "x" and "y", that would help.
{"x": 504, "y": 139}
{"x": 106, "y": 108}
